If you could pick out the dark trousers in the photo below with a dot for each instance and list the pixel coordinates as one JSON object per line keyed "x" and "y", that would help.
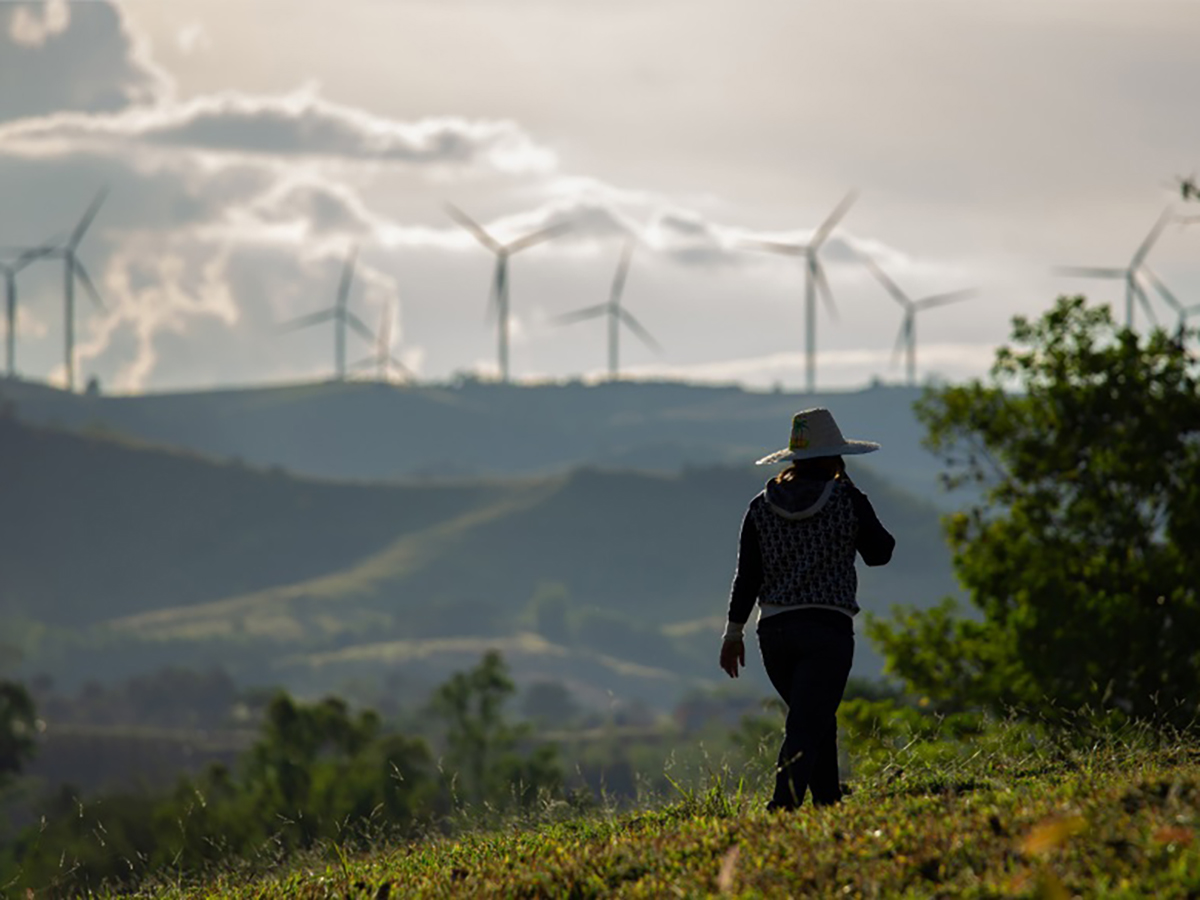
{"x": 807, "y": 654}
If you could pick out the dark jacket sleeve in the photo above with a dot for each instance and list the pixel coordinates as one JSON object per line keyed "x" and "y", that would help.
{"x": 748, "y": 578}
{"x": 875, "y": 544}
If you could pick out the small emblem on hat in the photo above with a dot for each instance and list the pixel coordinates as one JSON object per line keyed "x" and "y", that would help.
{"x": 799, "y": 439}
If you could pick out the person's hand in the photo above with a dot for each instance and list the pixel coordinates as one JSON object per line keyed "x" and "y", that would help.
{"x": 733, "y": 654}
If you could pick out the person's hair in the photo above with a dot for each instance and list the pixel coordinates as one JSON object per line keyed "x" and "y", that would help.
{"x": 819, "y": 468}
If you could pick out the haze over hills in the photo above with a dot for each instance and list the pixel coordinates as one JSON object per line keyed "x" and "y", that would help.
{"x": 374, "y": 431}
{"x": 118, "y": 556}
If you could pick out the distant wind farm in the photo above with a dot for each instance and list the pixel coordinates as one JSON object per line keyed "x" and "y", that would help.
{"x": 1139, "y": 279}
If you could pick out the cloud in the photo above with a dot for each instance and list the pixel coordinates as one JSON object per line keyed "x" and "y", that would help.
{"x": 80, "y": 57}
{"x": 298, "y": 125}
{"x": 953, "y": 361}
{"x": 232, "y": 212}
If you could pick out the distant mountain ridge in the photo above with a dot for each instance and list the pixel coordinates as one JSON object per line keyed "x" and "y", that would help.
{"x": 364, "y": 430}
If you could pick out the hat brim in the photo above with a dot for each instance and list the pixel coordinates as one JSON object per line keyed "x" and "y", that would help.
{"x": 850, "y": 448}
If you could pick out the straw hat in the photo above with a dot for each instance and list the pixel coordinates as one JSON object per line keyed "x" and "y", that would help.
{"x": 814, "y": 433}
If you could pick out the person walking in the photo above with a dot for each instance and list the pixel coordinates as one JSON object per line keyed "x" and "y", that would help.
{"x": 796, "y": 557}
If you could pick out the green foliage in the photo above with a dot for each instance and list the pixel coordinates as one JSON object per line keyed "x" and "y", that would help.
{"x": 18, "y": 725}
{"x": 1081, "y": 557}
{"x": 483, "y": 749}
{"x": 318, "y": 775}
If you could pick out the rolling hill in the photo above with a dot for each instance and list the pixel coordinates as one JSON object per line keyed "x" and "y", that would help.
{"x": 365, "y": 430}
{"x": 117, "y": 556}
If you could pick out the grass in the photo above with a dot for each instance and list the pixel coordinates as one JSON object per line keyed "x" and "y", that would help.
{"x": 1017, "y": 815}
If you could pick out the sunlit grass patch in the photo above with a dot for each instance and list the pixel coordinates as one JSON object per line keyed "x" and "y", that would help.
{"x": 1115, "y": 816}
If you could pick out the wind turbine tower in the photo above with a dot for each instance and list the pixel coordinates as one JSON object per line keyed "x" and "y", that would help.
{"x": 814, "y": 281}
{"x": 340, "y": 315}
{"x": 906, "y": 338}
{"x": 383, "y": 360}
{"x": 617, "y": 315}
{"x": 499, "y": 300}
{"x": 73, "y": 269}
{"x": 1132, "y": 275}
{"x": 10, "y": 270}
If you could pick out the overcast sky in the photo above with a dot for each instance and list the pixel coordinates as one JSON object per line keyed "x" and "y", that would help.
{"x": 247, "y": 146}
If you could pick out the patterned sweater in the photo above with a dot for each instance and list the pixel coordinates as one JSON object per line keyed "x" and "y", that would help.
{"x": 797, "y": 549}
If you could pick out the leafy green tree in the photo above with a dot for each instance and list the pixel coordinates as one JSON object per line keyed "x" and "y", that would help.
{"x": 1081, "y": 557}
{"x": 18, "y": 721}
{"x": 483, "y": 749}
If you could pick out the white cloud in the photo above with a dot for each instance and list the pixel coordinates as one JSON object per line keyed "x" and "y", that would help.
{"x": 301, "y": 125}
{"x": 838, "y": 368}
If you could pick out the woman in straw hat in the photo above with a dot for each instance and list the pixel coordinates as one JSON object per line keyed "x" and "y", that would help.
{"x": 796, "y": 560}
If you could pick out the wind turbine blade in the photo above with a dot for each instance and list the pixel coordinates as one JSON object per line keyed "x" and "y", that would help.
{"x": 1088, "y": 272}
{"x": 358, "y": 325}
{"x": 1163, "y": 291}
{"x": 474, "y": 227}
{"x": 882, "y": 277}
{"x": 31, "y": 255}
{"x": 82, "y": 274}
{"x": 316, "y": 318}
{"x": 830, "y": 223}
{"x": 86, "y": 221}
{"x": 580, "y": 315}
{"x": 636, "y": 327}
{"x": 1151, "y": 238}
{"x": 1139, "y": 291}
{"x": 538, "y": 237}
{"x": 945, "y": 299}
{"x": 618, "y": 284}
{"x": 343, "y": 291}
{"x": 823, "y": 289}
{"x": 773, "y": 247}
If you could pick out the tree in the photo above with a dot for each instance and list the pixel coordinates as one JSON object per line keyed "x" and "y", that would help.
{"x": 18, "y": 724}
{"x": 1080, "y": 557}
{"x": 482, "y": 746}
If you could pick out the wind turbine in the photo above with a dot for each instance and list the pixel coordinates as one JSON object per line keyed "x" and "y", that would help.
{"x": 340, "y": 316}
{"x": 73, "y": 269}
{"x": 616, "y": 314}
{"x": 906, "y": 338}
{"x": 10, "y": 270}
{"x": 814, "y": 281}
{"x": 383, "y": 359}
{"x": 1182, "y": 312}
{"x": 1132, "y": 274}
{"x": 498, "y": 300}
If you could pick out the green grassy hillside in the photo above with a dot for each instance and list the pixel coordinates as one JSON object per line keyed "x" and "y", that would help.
{"x": 1115, "y": 824}
{"x": 144, "y": 556}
